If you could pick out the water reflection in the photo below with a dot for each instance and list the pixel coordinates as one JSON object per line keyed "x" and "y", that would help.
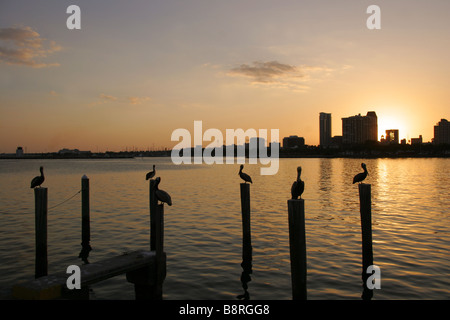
{"x": 324, "y": 182}
{"x": 246, "y": 269}
{"x": 410, "y": 201}
{"x": 84, "y": 253}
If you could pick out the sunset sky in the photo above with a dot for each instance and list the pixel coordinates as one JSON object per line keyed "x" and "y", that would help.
{"x": 138, "y": 70}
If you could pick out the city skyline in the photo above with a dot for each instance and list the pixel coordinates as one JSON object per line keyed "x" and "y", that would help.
{"x": 137, "y": 71}
{"x": 351, "y": 136}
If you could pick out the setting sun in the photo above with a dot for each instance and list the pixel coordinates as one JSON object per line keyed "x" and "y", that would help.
{"x": 392, "y": 123}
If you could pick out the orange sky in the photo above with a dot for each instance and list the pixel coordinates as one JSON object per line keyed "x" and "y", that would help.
{"x": 138, "y": 70}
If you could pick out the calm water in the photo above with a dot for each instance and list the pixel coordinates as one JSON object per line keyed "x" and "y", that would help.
{"x": 203, "y": 235}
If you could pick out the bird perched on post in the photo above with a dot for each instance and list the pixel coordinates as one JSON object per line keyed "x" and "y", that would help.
{"x": 162, "y": 195}
{"x": 244, "y": 176}
{"x": 150, "y": 174}
{"x": 298, "y": 186}
{"x": 37, "y": 181}
{"x": 362, "y": 175}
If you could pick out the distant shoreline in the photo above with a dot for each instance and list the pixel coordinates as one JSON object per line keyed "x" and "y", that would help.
{"x": 281, "y": 156}
{"x": 366, "y": 151}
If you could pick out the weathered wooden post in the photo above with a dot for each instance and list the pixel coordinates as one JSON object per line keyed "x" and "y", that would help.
{"x": 297, "y": 245}
{"x": 246, "y": 240}
{"x": 40, "y": 202}
{"x": 159, "y": 248}
{"x": 85, "y": 220}
{"x": 157, "y": 241}
{"x": 153, "y": 205}
{"x": 246, "y": 225}
{"x": 148, "y": 281}
{"x": 366, "y": 231}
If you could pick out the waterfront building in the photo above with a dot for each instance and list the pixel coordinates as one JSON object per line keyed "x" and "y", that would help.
{"x": 442, "y": 132}
{"x": 418, "y": 140}
{"x": 293, "y": 142}
{"x": 392, "y": 136}
{"x": 19, "y": 152}
{"x": 325, "y": 129}
{"x": 360, "y": 129}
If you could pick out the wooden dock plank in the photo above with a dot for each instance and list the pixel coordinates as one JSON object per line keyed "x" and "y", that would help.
{"x": 53, "y": 286}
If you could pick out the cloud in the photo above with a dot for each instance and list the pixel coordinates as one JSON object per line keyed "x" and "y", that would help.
{"x": 24, "y": 46}
{"x": 276, "y": 74}
{"x": 137, "y": 100}
{"x": 105, "y": 98}
{"x": 263, "y": 71}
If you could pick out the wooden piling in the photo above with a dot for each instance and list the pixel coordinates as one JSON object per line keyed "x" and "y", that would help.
{"x": 159, "y": 248}
{"x": 85, "y": 210}
{"x": 85, "y": 220}
{"x": 246, "y": 225}
{"x": 366, "y": 232}
{"x": 246, "y": 240}
{"x": 148, "y": 281}
{"x": 40, "y": 202}
{"x": 297, "y": 245}
{"x": 153, "y": 202}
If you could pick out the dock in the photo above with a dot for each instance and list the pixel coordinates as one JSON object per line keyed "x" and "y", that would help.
{"x": 139, "y": 267}
{"x": 146, "y": 269}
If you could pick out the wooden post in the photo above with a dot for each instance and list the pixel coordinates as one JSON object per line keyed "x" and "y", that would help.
{"x": 148, "y": 281}
{"x": 246, "y": 240}
{"x": 145, "y": 286}
{"x": 159, "y": 248}
{"x": 40, "y": 202}
{"x": 85, "y": 220}
{"x": 85, "y": 211}
{"x": 366, "y": 231}
{"x": 153, "y": 206}
{"x": 246, "y": 226}
{"x": 297, "y": 245}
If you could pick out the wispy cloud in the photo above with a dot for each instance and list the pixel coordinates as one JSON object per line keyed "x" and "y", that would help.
{"x": 276, "y": 74}
{"x": 137, "y": 100}
{"x": 264, "y": 71}
{"x": 24, "y": 46}
{"x": 106, "y": 98}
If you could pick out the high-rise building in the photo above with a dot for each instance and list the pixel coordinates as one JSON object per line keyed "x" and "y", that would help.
{"x": 325, "y": 129}
{"x": 442, "y": 132}
{"x": 293, "y": 142}
{"x": 392, "y": 136}
{"x": 359, "y": 129}
{"x": 418, "y": 140}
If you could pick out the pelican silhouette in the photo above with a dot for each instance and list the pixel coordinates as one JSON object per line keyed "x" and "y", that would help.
{"x": 37, "y": 181}
{"x": 151, "y": 174}
{"x": 362, "y": 175}
{"x": 298, "y": 186}
{"x": 162, "y": 195}
{"x": 244, "y": 176}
